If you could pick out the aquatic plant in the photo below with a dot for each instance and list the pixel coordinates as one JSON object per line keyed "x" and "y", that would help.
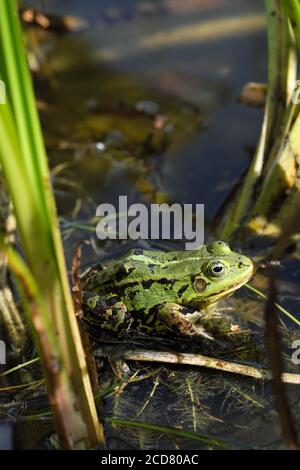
{"x": 42, "y": 277}
{"x": 269, "y": 195}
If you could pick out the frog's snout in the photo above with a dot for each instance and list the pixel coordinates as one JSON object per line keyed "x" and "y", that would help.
{"x": 254, "y": 269}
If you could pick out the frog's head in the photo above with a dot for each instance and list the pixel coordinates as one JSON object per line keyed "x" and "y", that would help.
{"x": 222, "y": 271}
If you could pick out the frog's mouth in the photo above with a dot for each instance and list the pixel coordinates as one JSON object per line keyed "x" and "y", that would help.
{"x": 215, "y": 297}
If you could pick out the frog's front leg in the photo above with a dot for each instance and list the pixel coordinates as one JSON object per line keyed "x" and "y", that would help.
{"x": 181, "y": 320}
{"x": 107, "y": 312}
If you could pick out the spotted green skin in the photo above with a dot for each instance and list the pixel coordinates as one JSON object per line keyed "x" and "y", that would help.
{"x": 153, "y": 291}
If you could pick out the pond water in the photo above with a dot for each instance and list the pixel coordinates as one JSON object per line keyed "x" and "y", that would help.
{"x": 144, "y": 103}
{"x": 195, "y": 81}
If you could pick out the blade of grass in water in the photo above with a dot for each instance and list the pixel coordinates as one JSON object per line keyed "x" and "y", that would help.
{"x": 19, "y": 366}
{"x": 283, "y": 310}
{"x": 210, "y": 441}
{"x": 49, "y": 305}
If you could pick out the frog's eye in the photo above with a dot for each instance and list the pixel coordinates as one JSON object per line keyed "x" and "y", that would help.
{"x": 216, "y": 269}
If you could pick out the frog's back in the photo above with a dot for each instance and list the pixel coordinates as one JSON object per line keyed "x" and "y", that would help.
{"x": 138, "y": 265}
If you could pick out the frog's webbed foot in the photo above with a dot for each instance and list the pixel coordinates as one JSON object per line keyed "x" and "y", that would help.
{"x": 107, "y": 312}
{"x": 182, "y": 320}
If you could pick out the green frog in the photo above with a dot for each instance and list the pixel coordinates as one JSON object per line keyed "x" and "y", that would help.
{"x": 155, "y": 292}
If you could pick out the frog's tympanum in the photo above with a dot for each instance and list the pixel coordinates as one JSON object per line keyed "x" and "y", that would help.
{"x": 153, "y": 291}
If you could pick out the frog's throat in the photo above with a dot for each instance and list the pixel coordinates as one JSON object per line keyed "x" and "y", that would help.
{"x": 214, "y": 298}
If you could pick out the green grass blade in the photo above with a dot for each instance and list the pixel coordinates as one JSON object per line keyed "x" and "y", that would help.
{"x": 24, "y": 164}
{"x": 292, "y": 10}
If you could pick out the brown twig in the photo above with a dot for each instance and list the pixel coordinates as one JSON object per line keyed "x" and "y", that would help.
{"x": 205, "y": 361}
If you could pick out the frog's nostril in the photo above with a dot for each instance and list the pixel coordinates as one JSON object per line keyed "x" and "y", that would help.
{"x": 246, "y": 264}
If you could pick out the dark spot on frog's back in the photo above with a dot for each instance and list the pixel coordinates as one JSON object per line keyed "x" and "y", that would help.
{"x": 182, "y": 290}
{"x": 138, "y": 251}
{"x": 164, "y": 280}
{"x": 151, "y": 266}
{"x": 132, "y": 295}
{"x": 147, "y": 284}
{"x": 112, "y": 300}
{"x": 123, "y": 272}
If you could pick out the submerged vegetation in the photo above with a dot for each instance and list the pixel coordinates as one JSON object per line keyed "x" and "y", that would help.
{"x": 149, "y": 391}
